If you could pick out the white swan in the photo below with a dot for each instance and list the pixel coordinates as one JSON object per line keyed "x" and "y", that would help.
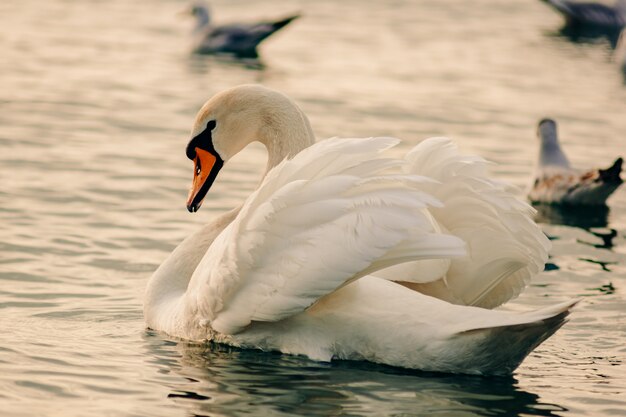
{"x": 332, "y": 255}
{"x": 556, "y": 182}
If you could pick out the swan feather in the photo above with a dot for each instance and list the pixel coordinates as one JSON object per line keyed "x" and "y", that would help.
{"x": 505, "y": 247}
{"x": 277, "y": 257}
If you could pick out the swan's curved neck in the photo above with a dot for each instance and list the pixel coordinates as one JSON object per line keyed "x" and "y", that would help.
{"x": 284, "y": 134}
{"x": 284, "y": 130}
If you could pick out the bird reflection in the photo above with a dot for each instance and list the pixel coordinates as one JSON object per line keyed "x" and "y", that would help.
{"x": 582, "y": 217}
{"x": 201, "y": 64}
{"x": 222, "y": 380}
{"x": 606, "y": 238}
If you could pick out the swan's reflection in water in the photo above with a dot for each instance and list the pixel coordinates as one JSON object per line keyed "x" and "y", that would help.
{"x": 219, "y": 380}
{"x": 582, "y": 217}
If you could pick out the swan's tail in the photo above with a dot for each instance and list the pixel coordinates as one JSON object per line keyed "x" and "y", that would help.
{"x": 381, "y": 321}
{"x": 499, "y": 349}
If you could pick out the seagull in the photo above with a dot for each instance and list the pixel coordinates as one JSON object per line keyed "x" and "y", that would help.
{"x": 556, "y": 182}
{"x": 239, "y": 39}
{"x": 579, "y": 14}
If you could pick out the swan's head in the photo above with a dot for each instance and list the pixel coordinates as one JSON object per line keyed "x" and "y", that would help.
{"x": 546, "y": 130}
{"x": 234, "y": 118}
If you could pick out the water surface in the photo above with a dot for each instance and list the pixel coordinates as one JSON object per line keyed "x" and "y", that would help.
{"x": 97, "y": 99}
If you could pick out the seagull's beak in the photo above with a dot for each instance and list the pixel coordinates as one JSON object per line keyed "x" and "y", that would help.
{"x": 206, "y": 166}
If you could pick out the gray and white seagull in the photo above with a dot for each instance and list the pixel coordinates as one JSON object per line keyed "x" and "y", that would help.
{"x": 557, "y": 182}
{"x": 238, "y": 39}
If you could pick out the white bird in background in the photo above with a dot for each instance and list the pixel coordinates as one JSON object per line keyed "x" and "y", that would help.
{"x": 347, "y": 252}
{"x": 239, "y": 39}
{"x": 556, "y": 182}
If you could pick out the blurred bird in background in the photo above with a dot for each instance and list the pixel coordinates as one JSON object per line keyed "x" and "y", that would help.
{"x": 238, "y": 39}
{"x": 556, "y": 182}
{"x": 591, "y": 20}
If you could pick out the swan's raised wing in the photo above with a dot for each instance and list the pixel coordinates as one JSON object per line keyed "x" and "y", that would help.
{"x": 328, "y": 216}
{"x": 505, "y": 246}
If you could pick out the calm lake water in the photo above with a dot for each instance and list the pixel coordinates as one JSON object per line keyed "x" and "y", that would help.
{"x": 97, "y": 99}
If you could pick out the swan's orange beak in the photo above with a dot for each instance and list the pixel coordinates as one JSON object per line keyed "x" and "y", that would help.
{"x": 206, "y": 165}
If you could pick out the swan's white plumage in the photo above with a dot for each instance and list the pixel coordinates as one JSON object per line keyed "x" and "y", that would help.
{"x": 505, "y": 247}
{"x": 332, "y": 255}
{"x": 309, "y": 229}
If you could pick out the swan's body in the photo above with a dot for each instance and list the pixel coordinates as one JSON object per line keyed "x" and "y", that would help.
{"x": 239, "y": 39}
{"x": 556, "y": 182}
{"x": 333, "y": 255}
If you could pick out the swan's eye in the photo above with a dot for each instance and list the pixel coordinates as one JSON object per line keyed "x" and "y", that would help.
{"x": 198, "y": 166}
{"x": 197, "y": 171}
{"x": 202, "y": 140}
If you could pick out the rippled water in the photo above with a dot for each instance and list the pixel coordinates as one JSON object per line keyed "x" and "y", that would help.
{"x": 96, "y": 102}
